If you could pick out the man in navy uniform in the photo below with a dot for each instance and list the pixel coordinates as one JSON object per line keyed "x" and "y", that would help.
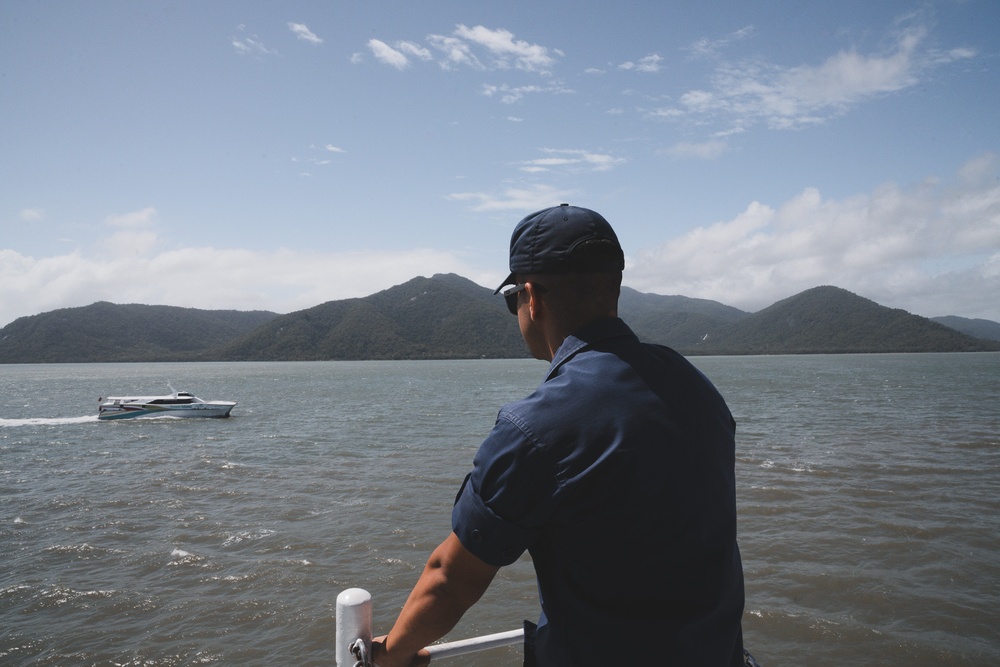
{"x": 616, "y": 475}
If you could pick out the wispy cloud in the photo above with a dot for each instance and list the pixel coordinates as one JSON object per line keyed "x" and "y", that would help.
{"x": 513, "y": 94}
{"x": 414, "y": 50}
{"x": 133, "y": 220}
{"x": 477, "y": 48}
{"x": 709, "y": 48}
{"x": 387, "y": 55}
{"x": 525, "y": 199}
{"x": 132, "y": 234}
{"x": 455, "y": 52}
{"x": 706, "y": 150}
{"x": 649, "y": 64}
{"x": 32, "y": 214}
{"x": 572, "y": 159}
{"x": 754, "y": 92}
{"x": 303, "y": 33}
{"x": 250, "y": 44}
{"x": 505, "y": 51}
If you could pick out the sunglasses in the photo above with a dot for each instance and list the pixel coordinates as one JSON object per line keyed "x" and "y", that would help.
{"x": 510, "y": 295}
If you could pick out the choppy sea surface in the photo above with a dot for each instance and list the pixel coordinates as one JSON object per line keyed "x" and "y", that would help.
{"x": 869, "y": 500}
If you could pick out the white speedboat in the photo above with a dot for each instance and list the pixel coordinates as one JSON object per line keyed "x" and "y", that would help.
{"x": 176, "y": 404}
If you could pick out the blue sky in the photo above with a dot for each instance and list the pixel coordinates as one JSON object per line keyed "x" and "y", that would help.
{"x": 275, "y": 156}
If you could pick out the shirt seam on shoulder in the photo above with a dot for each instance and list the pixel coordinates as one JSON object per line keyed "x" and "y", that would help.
{"x": 521, "y": 425}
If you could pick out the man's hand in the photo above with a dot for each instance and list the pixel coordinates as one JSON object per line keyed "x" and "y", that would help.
{"x": 381, "y": 658}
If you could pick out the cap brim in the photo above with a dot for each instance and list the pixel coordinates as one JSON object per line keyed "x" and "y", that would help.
{"x": 510, "y": 280}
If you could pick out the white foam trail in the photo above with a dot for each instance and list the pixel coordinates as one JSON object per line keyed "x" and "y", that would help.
{"x": 47, "y": 421}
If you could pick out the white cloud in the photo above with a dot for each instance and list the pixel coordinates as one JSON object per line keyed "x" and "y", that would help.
{"x": 304, "y": 33}
{"x": 334, "y": 149}
{"x": 665, "y": 113}
{"x": 515, "y": 199}
{"x": 388, "y": 55}
{"x": 573, "y": 158}
{"x": 706, "y": 150}
{"x": 415, "y": 50}
{"x": 512, "y": 94}
{"x": 250, "y": 45}
{"x": 711, "y": 47}
{"x": 132, "y": 234}
{"x": 135, "y": 219}
{"x": 280, "y": 280}
{"x": 933, "y": 249}
{"x": 478, "y": 48}
{"x": 456, "y": 52}
{"x": 789, "y": 97}
{"x": 32, "y": 214}
{"x": 506, "y": 50}
{"x": 649, "y": 64}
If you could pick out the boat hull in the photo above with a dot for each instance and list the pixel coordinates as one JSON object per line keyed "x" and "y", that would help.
{"x": 218, "y": 409}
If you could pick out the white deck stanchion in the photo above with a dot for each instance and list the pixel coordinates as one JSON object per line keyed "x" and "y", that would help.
{"x": 354, "y": 621}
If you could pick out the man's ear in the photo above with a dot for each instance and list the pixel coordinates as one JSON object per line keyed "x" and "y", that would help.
{"x": 535, "y": 305}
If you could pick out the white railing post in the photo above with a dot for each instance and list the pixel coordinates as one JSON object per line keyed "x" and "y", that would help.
{"x": 354, "y": 621}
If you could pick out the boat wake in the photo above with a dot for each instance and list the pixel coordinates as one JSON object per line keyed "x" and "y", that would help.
{"x": 47, "y": 421}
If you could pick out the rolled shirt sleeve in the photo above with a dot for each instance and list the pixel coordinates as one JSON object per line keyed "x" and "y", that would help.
{"x": 501, "y": 506}
{"x": 488, "y": 536}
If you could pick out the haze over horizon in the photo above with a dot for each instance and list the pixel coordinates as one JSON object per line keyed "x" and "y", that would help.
{"x": 275, "y": 157}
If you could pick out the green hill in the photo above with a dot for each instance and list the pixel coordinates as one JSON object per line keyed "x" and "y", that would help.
{"x": 677, "y": 321}
{"x": 443, "y": 317}
{"x": 833, "y": 320}
{"x": 450, "y": 317}
{"x": 106, "y": 331}
{"x": 977, "y": 328}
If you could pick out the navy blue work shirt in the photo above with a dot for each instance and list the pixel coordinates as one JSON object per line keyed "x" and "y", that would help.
{"x": 617, "y": 476}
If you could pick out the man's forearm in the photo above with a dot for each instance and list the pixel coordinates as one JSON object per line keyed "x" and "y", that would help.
{"x": 452, "y": 581}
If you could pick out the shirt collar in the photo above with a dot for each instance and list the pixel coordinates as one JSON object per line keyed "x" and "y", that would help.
{"x": 589, "y": 336}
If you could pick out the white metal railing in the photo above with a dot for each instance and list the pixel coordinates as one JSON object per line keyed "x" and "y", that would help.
{"x": 354, "y": 633}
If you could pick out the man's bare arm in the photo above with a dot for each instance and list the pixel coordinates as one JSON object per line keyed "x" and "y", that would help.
{"x": 452, "y": 581}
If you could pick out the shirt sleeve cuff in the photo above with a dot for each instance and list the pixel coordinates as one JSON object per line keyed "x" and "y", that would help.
{"x": 486, "y": 535}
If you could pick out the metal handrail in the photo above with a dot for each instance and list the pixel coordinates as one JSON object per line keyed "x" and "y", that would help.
{"x": 474, "y": 644}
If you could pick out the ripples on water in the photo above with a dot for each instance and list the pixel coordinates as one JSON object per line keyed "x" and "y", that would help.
{"x": 867, "y": 487}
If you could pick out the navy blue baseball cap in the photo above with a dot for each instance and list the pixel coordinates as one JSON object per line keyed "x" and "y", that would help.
{"x": 550, "y": 241}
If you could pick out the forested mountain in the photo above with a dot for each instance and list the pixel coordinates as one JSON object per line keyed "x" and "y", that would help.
{"x": 106, "y": 331}
{"x": 833, "y": 320}
{"x": 678, "y": 321}
{"x": 443, "y": 317}
{"x": 986, "y": 329}
{"x": 450, "y": 317}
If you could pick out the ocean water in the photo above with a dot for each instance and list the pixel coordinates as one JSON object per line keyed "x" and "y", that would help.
{"x": 869, "y": 500}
